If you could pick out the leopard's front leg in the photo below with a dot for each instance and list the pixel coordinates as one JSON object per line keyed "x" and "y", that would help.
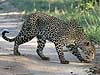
{"x": 41, "y": 44}
{"x": 59, "y": 49}
{"x": 74, "y": 50}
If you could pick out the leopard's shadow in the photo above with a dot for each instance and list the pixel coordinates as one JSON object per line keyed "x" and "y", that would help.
{"x": 53, "y": 60}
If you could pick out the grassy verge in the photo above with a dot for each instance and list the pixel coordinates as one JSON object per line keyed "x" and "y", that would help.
{"x": 64, "y": 9}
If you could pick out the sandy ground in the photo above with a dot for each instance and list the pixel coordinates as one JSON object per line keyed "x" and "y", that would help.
{"x": 30, "y": 63}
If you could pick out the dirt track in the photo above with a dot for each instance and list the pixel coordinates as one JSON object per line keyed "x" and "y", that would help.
{"x": 31, "y": 64}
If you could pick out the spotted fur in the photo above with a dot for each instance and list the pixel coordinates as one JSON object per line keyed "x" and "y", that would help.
{"x": 50, "y": 28}
{"x": 74, "y": 50}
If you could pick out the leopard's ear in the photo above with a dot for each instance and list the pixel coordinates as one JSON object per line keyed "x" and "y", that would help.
{"x": 94, "y": 42}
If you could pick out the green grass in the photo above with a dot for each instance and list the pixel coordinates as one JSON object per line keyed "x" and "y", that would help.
{"x": 42, "y": 5}
{"x": 1, "y": 8}
{"x": 65, "y": 10}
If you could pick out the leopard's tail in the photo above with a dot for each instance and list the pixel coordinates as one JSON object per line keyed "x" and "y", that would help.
{"x": 6, "y": 38}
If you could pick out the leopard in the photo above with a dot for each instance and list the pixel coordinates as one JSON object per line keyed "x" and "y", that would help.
{"x": 61, "y": 33}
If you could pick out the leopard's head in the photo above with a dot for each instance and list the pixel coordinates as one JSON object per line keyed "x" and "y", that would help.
{"x": 78, "y": 38}
{"x": 87, "y": 50}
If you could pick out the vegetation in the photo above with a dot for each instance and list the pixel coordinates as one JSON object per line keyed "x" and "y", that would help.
{"x": 87, "y": 12}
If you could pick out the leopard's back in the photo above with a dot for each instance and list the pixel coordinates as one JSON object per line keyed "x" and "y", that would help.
{"x": 48, "y": 27}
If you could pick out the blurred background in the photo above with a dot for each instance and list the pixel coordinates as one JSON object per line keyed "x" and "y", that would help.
{"x": 87, "y": 12}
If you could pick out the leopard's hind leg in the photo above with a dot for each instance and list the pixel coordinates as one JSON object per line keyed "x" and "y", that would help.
{"x": 16, "y": 52}
{"x": 41, "y": 44}
{"x": 21, "y": 40}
